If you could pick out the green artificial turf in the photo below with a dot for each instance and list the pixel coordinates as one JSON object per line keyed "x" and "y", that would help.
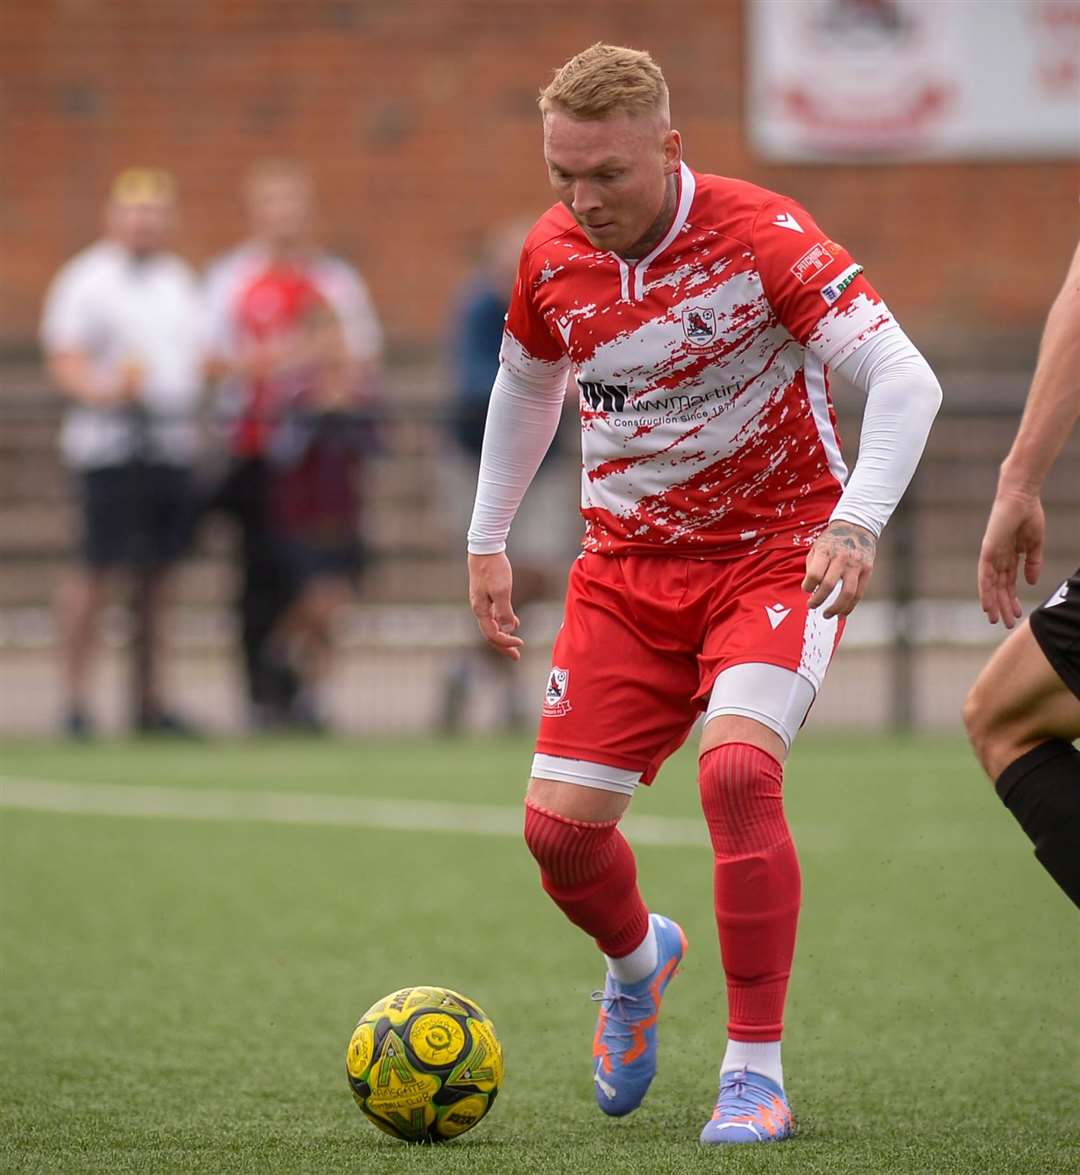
{"x": 176, "y": 995}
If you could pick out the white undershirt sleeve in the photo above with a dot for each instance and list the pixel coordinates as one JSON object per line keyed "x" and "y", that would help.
{"x": 902, "y": 399}
{"x": 522, "y": 419}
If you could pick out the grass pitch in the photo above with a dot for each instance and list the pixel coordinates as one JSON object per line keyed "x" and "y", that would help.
{"x": 176, "y": 995}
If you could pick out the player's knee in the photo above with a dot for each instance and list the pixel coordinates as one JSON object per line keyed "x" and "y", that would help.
{"x": 568, "y": 851}
{"x": 741, "y": 790}
{"x": 975, "y": 716}
{"x": 986, "y": 730}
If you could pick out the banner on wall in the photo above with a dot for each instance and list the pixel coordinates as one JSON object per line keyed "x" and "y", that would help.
{"x": 914, "y": 79}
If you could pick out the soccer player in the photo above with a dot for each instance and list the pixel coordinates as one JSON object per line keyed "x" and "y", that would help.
{"x": 1023, "y": 712}
{"x": 724, "y": 542}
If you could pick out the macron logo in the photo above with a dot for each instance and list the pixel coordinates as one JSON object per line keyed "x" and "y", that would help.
{"x": 1058, "y": 597}
{"x": 566, "y": 325}
{"x": 786, "y": 220}
{"x": 777, "y": 613}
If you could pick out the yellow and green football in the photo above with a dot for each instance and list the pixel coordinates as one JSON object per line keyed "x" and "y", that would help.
{"x": 424, "y": 1064}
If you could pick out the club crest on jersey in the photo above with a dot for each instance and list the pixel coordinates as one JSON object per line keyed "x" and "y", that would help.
{"x": 699, "y": 325}
{"x": 555, "y": 703}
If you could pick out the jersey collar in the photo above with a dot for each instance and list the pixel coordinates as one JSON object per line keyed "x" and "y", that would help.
{"x": 633, "y": 279}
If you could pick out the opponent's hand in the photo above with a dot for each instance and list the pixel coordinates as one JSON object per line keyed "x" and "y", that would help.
{"x": 842, "y": 552}
{"x": 1016, "y": 528}
{"x": 490, "y": 584}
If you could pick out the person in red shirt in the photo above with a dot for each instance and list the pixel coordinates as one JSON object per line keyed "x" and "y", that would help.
{"x": 310, "y": 417}
{"x": 247, "y": 357}
{"x": 724, "y": 542}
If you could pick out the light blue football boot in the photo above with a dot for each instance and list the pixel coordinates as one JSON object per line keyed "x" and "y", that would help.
{"x": 750, "y": 1108}
{"x": 624, "y": 1047}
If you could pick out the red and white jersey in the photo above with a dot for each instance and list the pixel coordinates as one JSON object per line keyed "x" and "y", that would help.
{"x": 707, "y": 427}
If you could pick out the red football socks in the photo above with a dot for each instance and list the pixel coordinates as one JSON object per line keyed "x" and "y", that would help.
{"x": 757, "y": 884}
{"x": 589, "y": 872}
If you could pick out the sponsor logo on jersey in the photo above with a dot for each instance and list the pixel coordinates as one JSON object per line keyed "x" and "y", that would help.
{"x": 555, "y": 703}
{"x": 777, "y": 614}
{"x": 817, "y": 258}
{"x": 1059, "y": 596}
{"x": 831, "y": 292}
{"x": 604, "y": 397}
{"x": 660, "y": 408}
{"x": 786, "y": 220}
{"x": 699, "y": 325}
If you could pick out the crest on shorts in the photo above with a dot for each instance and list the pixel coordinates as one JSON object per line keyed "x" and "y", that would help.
{"x": 699, "y": 325}
{"x": 555, "y": 702}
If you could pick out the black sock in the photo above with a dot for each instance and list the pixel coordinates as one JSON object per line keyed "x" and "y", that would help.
{"x": 1042, "y": 790}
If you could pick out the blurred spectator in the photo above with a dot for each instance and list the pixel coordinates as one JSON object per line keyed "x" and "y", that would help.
{"x": 548, "y": 527}
{"x": 122, "y": 337}
{"x": 270, "y": 354}
{"x": 320, "y": 431}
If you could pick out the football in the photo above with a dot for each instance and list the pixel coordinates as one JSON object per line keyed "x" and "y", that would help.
{"x": 424, "y": 1064}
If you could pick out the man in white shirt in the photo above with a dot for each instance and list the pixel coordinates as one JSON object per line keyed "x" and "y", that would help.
{"x": 122, "y": 336}
{"x": 249, "y": 357}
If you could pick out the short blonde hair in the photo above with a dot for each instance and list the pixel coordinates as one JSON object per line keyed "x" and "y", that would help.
{"x": 143, "y": 185}
{"x": 604, "y": 80}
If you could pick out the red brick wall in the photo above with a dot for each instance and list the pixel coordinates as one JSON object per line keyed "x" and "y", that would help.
{"x": 418, "y": 119}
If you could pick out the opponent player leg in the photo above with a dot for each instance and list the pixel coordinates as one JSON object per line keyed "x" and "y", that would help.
{"x": 754, "y": 713}
{"x": 1022, "y": 718}
{"x": 588, "y": 869}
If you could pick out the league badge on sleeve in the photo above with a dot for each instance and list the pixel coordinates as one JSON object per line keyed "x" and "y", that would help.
{"x": 831, "y": 292}
{"x": 555, "y": 703}
{"x": 813, "y": 261}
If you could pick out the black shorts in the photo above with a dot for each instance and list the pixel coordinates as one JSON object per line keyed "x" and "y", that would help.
{"x": 1056, "y": 626}
{"x": 304, "y": 561}
{"x": 136, "y": 514}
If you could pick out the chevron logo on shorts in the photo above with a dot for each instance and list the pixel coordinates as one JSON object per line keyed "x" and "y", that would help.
{"x": 777, "y": 614}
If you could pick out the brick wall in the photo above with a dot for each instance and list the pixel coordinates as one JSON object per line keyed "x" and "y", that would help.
{"x": 418, "y": 119}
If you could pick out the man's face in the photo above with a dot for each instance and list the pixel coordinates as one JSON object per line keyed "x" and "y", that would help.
{"x": 611, "y": 173}
{"x": 141, "y": 226}
{"x": 281, "y": 208}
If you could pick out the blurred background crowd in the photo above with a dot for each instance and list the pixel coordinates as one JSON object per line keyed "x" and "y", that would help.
{"x": 255, "y": 260}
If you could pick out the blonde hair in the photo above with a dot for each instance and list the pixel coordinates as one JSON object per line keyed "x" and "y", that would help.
{"x": 604, "y": 80}
{"x": 143, "y": 185}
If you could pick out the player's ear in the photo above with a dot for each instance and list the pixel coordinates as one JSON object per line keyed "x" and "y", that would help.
{"x": 672, "y": 152}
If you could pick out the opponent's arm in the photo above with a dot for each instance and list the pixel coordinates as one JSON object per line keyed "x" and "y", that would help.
{"x": 1016, "y": 526}
{"x": 902, "y": 399}
{"x": 523, "y": 417}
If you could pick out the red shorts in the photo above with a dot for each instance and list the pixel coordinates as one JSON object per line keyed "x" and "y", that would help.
{"x": 645, "y": 636}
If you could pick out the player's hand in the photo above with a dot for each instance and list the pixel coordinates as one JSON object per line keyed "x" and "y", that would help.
{"x": 1016, "y": 528}
{"x": 490, "y": 584}
{"x": 843, "y": 553}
